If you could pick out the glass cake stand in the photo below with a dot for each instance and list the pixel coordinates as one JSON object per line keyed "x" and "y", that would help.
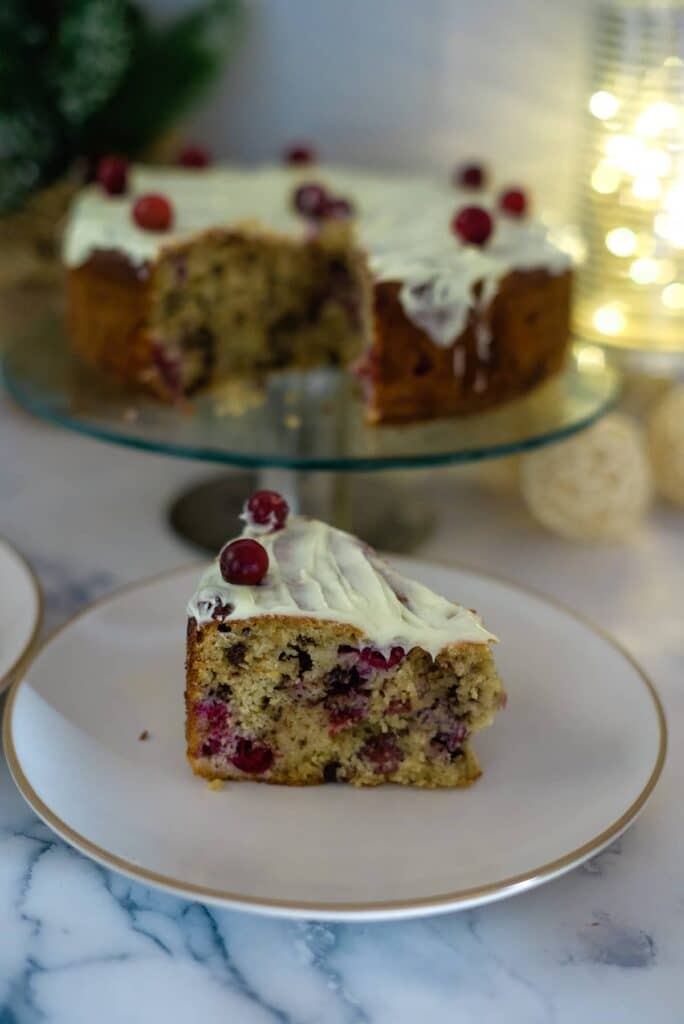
{"x": 303, "y": 434}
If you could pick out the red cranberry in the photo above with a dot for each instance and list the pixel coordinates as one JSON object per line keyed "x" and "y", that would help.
{"x": 300, "y": 153}
{"x": 112, "y": 174}
{"x": 470, "y": 176}
{"x": 215, "y": 715}
{"x": 455, "y": 736}
{"x": 252, "y": 757}
{"x": 450, "y": 741}
{"x": 377, "y": 660}
{"x": 244, "y": 562}
{"x": 338, "y": 209}
{"x": 211, "y": 746}
{"x": 153, "y": 212}
{"x": 514, "y": 202}
{"x": 169, "y": 369}
{"x": 396, "y": 656}
{"x": 311, "y": 200}
{"x": 472, "y": 224}
{"x": 383, "y": 752}
{"x": 343, "y": 714}
{"x": 345, "y": 705}
{"x": 194, "y": 156}
{"x": 266, "y": 508}
{"x": 374, "y": 659}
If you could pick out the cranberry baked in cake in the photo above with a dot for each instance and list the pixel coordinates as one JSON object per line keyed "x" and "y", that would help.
{"x": 310, "y": 660}
{"x": 445, "y": 298}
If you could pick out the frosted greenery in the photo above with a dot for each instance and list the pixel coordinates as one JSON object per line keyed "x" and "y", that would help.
{"x": 79, "y": 78}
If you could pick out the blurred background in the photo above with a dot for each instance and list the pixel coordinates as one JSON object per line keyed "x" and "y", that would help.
{"x": 416, "y": 85}
{"x": 580, "y": 103}
{"x": 385, "y": 83}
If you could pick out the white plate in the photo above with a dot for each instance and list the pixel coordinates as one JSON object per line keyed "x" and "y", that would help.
{"x": 20, "y": 612}
{"x": 567, "y": 767}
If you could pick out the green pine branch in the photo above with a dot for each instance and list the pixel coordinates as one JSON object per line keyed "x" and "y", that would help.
{"x": 79, "y": 78}
{"x": 170, "y": 68}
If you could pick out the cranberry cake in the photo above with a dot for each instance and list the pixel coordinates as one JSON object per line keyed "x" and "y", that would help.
{"x": 310, "y": 660}
{"x": 445, "y": 298}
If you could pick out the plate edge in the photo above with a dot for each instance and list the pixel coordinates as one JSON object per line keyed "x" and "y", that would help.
{"x": 333, "y": 910}
{"x": 21, "y": 663}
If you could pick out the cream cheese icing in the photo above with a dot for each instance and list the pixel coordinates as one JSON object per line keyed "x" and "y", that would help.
{"x": 321, "y": 572}
{"x": 403, "y": 225}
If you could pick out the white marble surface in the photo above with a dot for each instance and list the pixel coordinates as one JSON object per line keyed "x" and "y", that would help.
{"x": 80, "y": 944}
{"x": 405, "y": 83}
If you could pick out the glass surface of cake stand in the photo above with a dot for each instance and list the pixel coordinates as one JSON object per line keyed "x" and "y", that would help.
{"x": 303, "y": 433}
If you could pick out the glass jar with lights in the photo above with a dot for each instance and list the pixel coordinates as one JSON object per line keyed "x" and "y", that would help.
{"x": 630, "y": 288}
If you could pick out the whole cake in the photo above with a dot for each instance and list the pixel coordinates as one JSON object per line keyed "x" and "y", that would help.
{"x": 447, "y": 299}
{"x": 310, "y": 659}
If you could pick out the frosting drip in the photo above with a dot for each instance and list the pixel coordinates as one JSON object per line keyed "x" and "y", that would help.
{"x": 318, "y": 571}
{"x": 403, "y": 224}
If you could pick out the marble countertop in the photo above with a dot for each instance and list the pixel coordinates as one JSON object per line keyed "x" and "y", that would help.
{"x": 81, "y": 944}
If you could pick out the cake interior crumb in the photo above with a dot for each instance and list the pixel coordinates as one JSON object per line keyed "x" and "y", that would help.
{"x": 303, "y": 702}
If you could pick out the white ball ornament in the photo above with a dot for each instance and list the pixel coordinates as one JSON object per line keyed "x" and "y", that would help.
{"x": 594, "y": 486}
{"x": 666, "y": 445}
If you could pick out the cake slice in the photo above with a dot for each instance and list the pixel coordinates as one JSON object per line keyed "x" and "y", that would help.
{"x": 310, "y": 659}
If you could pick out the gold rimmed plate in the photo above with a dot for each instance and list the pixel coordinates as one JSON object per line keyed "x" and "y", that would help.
{"x": 20, "y": 612}
{"x": 567, "y": 767}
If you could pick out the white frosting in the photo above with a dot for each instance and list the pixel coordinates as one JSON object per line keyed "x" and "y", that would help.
{"x": 319, "y": 572}
{"x": 403, "y": 224}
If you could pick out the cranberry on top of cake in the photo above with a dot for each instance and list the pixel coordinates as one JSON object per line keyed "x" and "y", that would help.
{"x": 302, "y": 567}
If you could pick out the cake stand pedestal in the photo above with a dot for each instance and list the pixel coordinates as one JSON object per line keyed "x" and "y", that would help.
{"x": 376, "y": 510}
{"x": 302, "y": 434}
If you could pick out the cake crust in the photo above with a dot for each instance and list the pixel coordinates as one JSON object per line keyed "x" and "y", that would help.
{"x": 108, "y": 306}
{"x": 409, "y": 377}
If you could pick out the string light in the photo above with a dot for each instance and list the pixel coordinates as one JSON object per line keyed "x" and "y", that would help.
{"x": 646, "y": 244}
{"x": 670, "y": 227}
{"x": 621, "y": 241}
{"x": 631, "y": 284}
{"x": 667, "y": 270}
{"x": 591, "y": 357}
{"x": 644, "y": 271}
{"x": 626, "y": 152}
{"x": 646, "y": 187}
{"x": 649, "y": 271}
{"x": 674, "y": 199}
{"x": 673, "y": 296}
{"x": 604, "y": 105}
{"x": 656, "y": 162}
{"x": 609, "y": 319}
{"x": 606, "y": 177}
{"x": 656, "y": 119}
